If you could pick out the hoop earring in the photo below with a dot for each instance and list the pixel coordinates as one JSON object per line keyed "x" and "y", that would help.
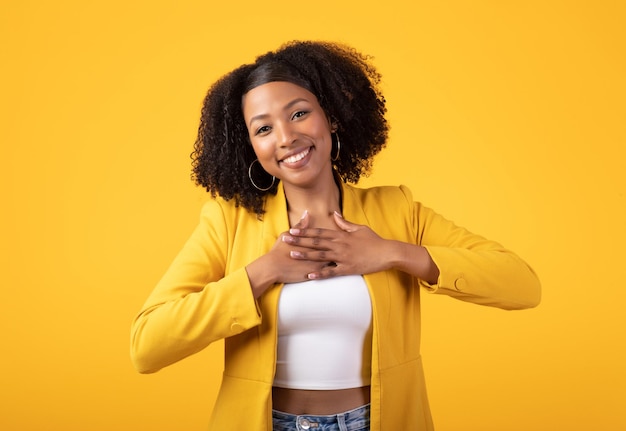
{"x": 334, "y": 159}
{"x": 252, "y": 181}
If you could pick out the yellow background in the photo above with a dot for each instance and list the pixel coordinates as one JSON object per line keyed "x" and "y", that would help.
{"x": 507, "y": 117}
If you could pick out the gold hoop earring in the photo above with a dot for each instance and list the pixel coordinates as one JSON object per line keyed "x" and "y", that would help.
{"x": 252, "y": 181}
{"x": 334, "y": 159}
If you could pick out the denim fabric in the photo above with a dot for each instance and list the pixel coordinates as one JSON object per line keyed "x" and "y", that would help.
{"x": 353, "y": 420}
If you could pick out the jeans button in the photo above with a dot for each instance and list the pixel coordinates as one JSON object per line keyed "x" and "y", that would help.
{"x": 305, "y": 424}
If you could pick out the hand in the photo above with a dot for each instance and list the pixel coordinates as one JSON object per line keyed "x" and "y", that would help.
{"x": 277, "y": 265}
{"x": 354, "y": 249}
{"x": 281, "y": 255}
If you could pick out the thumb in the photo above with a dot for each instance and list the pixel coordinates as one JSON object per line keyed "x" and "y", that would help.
{"x": 344, "y": 224}
{"x": 304, "y": 220}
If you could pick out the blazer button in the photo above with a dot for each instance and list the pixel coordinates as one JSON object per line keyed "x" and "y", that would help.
{"x": 460, "y": 284}
{"x": 236, "y": 327}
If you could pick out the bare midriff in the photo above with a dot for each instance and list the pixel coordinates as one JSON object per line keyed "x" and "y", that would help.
{"x": 319, "y": 402}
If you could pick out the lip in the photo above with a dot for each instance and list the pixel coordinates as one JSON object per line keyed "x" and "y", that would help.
{"x": 299, "y": 157}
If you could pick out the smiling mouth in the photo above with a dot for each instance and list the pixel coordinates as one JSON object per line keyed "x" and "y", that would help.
{"x": 297, "y": 157}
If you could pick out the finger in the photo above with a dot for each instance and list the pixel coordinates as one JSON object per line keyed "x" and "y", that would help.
{"x": 312, "y": 232}
{"x": 291, "y": 239}
{"x": 344, "y": 224}
{"x": 314, "y": 256}
{"x": 309, "y": 243}
{"x": 326, "y": 272}
{"x": 304, "y": 242}
{"x": 297, "y": 254}
{"x": 304, "y": 220}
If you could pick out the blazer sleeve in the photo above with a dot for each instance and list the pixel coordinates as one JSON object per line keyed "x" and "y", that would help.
{"x": 473, "y": 268}
{"x": 195, "y": 302}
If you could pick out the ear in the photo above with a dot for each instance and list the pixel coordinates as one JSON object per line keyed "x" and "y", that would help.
{"x": 334, "y": 125}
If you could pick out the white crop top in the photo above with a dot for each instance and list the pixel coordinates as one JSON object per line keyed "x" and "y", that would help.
{"x": 324, "y": 334}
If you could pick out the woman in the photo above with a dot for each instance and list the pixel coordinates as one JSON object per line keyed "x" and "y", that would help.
{"x": 312, "y": 282}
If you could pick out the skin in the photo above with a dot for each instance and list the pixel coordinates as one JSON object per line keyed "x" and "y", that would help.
{"x": 291, "y": 136}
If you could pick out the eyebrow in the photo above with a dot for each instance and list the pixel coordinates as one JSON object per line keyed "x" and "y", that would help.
{"x": 285, "y": 108}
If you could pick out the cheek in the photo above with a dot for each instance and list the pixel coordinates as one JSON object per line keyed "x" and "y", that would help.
{"x": 323, "y": 128}
{"x": 262, "y": 148}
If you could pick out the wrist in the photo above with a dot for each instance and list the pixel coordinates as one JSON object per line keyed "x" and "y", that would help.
{"x": 415, "y": 260}
{"x": 260, "y": 277}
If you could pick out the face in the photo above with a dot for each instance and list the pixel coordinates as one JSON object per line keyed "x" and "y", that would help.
{"x": 289, "y": 132}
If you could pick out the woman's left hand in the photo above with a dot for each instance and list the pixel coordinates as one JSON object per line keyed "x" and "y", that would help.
{"x": 354, "y": 249}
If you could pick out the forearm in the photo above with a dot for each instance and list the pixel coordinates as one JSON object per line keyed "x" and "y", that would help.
{"x": 260, "y": 275}
{"x": 495, "y": 277}
{"x": 473, "y": 268}
{"x": 177, "y": 321}
{"x": 412, "y": 259}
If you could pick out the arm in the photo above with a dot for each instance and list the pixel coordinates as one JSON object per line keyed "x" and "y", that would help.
{"x": 194, "y": 303}
{"x": 357, "y": 249}
{"x": 277, "y": 266}
{"x": 198, "y": 301}
{"x": 446, "y": 259}
{"x": 473, "y": 268}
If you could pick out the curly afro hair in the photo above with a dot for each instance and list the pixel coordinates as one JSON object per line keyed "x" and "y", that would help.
{"x": 346, "y": 86}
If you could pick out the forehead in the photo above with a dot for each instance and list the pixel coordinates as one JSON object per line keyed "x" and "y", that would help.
{"x": 274, "y": 95}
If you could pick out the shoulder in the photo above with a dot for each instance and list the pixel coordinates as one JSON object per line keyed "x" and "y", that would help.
{"x": 392, "y": 195}
{"x": 216, "y": 207}
{"x": 389, "y": 210}
{"x": 219, "y": 211}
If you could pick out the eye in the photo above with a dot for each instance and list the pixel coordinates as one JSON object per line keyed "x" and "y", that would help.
{"x": 261, "y": 130}
{"x": 299, "y": 114}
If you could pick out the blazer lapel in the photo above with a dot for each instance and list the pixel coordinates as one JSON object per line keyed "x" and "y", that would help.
{"x": 275, "y": 221}
{"x": 377, "y": 282}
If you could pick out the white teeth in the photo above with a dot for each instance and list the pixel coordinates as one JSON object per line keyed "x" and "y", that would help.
{"x": 297, "y": 157}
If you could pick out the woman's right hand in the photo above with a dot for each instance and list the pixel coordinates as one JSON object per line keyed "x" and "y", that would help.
{"x": 277, "y": 265}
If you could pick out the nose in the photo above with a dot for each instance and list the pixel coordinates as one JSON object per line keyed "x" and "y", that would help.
{"x": 285, "y": 135}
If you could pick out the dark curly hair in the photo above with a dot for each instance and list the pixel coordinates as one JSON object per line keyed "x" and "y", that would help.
{"x": 346, "y": 86}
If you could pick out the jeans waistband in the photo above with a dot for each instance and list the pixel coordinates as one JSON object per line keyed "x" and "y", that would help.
{"x": 352, "y": 420}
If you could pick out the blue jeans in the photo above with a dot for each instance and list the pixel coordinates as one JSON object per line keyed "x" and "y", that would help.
{"x": 353, "y": 420}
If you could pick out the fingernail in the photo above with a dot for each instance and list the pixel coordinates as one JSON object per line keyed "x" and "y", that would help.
{"x": 311, "y": 276}
{"x": 304, "y": 214}
{"x": 294, "y": 231}
{"x": 338, "y": 215}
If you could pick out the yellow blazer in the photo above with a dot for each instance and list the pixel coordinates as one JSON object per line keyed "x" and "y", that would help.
{"x": 205, "y": 296}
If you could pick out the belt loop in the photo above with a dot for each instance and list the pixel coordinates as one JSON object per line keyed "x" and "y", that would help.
{"x": 341, "y": 421}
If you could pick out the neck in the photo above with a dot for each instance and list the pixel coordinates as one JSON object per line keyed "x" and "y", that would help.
{"x": 320, "y": 202}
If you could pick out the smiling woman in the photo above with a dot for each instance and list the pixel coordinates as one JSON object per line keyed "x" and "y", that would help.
{"x": 291, "y": 135}
{"x": 313, "y": 283}
{"x": 344, "y": 85}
